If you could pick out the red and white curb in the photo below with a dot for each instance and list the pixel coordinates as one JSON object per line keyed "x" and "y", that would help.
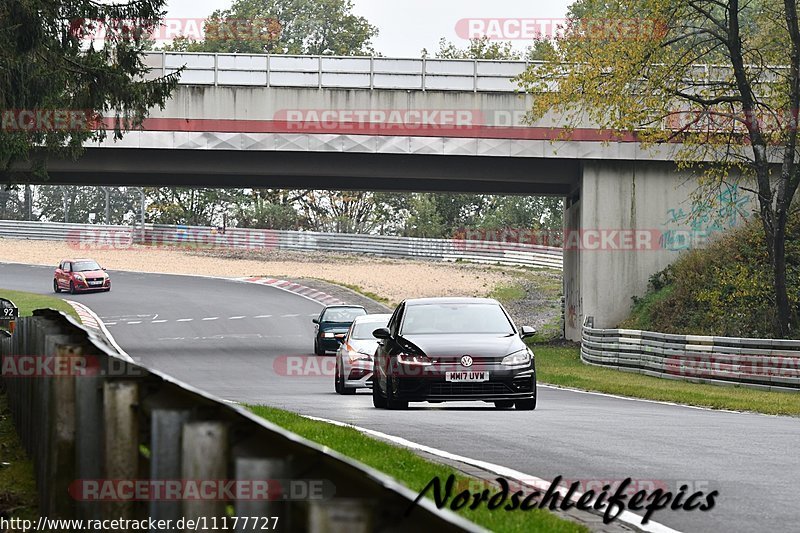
{"x": 296, "y": 288}
{"x": 90, "y": 319}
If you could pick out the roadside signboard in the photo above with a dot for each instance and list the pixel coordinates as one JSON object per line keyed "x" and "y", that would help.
{"x": 8, "y": 314}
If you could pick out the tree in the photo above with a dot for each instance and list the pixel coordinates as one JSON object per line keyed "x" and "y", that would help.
{"x": 642, "y": 75}
{"x": 485, "y": 48}
{"x": 308, "y": 27}
{"x": 49, "y": 69}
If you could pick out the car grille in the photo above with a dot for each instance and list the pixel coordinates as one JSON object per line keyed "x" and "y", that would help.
{"x": 468, "y": 389}
{"x": 94, "y": 279}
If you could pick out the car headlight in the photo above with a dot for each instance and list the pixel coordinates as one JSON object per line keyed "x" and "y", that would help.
{"x": 79, "y": 277}
{"x": 411, "y": 359}
{"x": 328, "y": 335}
{"x": 357, "y": 356}
{"x": 522, "y": 357}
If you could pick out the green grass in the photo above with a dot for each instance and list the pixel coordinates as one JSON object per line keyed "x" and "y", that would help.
{"x": 411, "y": 470}
{"x": 561, "y": 365}
{"x": 641, "y": 314}
{"x": 28, "y": 302}
{"x": 508, "y": 293}
{"x": 18, "y": 497}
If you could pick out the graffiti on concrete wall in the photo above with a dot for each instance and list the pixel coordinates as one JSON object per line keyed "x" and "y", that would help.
{"x": 727, "y": 209}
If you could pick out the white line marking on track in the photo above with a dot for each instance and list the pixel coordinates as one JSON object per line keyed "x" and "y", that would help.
{"x": 122, "y": 353}
{"x": 111, "y": 323}
{"x": 263, "y": 316}
{"x": 211, "y": 318}
{"x": 290, "y": 316}
{"x": 158, "y": 321}
{"x": 626, "y": 516}
{"x": 135, "y": 322}
{"x": 235, "y": 318}
{"x": 184, "y": 319}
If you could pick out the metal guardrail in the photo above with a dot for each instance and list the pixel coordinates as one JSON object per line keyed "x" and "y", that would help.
{"x": 85, "y": 237}
{"x": 112, "y": 421}
{"x": 332, "y": 72}
{"x": 768, "y": 364}
{"x": 56, "y": 231}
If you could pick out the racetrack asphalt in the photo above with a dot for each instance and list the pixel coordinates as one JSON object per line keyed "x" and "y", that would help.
{"x": 232, "y": 339}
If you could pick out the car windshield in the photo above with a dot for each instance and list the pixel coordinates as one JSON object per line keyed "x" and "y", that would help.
{"x": 342, "y": 314}
{"x": 486, "y": 318}
{"x": 85, "y": 266}
{"x": 363, "y": 330}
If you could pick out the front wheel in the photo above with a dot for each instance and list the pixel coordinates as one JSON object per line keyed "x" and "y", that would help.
{"x": 378, "y": 400}
{"x": 55, "y": 287}
{"x": 337, "y": 379}
{"x": 392, "y": 402}
{"x": 317, "y": 349}
{"x": 71, "y": 287}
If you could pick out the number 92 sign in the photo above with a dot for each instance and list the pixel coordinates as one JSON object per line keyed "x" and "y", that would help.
{"x": 8, "y": 311}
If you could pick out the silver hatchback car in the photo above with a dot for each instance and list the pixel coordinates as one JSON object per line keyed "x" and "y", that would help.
{"x": 354, "y": 357}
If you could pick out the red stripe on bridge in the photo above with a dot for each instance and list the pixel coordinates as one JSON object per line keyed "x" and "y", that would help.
{"x": 403, "y": 130}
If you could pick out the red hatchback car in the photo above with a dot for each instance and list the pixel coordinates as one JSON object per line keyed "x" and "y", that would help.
{"x": 80, "y": 275}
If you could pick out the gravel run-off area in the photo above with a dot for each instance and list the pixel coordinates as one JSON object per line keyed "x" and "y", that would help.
{"x": 392, "y": 279}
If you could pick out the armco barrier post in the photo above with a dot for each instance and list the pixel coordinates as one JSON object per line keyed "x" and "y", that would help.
{"x": 45, "y": 406}
{"x": 62, "y": 435}
{"x": 259, "y": 469}
{"x": 89, "y": 444}
{"x": 340, "y": 515}
{"x": 120, "y": 408}
{"x": 204, "y": 457}
{"x": 166, "y": 426}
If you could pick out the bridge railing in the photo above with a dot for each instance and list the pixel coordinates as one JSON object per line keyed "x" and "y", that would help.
{"x": 331, "y": 72}
{"x": 85, "y": 237}
{"x": 107, "y": 436}
{"x": 768, "y": 364}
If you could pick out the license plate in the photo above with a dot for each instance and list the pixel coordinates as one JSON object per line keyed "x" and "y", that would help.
{"x": 467, "y": 377}
{"x": 95, "y": 283}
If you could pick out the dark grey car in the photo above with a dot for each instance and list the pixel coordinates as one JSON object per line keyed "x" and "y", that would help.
{"x": 453, "y": 349}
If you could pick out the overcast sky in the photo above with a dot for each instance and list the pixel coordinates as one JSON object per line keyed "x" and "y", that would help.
{"x": 408, "y": 26}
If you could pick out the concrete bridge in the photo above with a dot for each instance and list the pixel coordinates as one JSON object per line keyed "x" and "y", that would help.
{"x": 417, "y": 125}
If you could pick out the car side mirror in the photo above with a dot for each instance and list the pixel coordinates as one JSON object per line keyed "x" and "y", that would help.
{"x": 315, "y": 320}
{"x": 103, "y": 269}
{"x": 527, "y": 331}
{"x": 382, "y": 333}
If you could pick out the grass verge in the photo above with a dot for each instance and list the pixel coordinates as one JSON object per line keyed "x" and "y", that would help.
{"x": 17, "y": 483}
{"x": 411, "y": 470}
{"x": 561, "y": 365}
{"x": 28, "y": 302}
